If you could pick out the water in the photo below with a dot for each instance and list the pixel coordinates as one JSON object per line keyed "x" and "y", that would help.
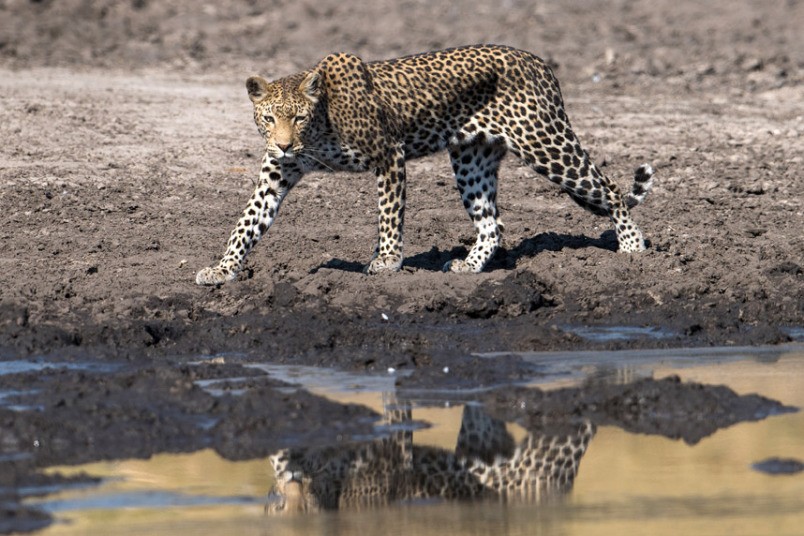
{"x": 619, "y": 333}
{"x": 20, "y": 366}
{"x": 627, "y": 483}
{"x": 794, "y": 332}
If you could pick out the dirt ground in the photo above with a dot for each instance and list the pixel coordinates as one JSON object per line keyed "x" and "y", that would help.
{"x": 129, "y": 151}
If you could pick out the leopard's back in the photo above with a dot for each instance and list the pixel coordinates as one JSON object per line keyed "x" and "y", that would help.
{"x": 431, "y": 97}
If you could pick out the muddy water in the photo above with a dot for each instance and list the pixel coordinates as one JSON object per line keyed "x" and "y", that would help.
{"x": 627, "y": 483}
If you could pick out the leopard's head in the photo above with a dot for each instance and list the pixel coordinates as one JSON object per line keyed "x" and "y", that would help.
{"x": 284, "y": 111}
{"x": 291, "y": 495}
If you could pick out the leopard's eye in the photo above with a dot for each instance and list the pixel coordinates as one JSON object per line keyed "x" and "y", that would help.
{"x": 301, "y": 118}
{"x": 269, "y": 119}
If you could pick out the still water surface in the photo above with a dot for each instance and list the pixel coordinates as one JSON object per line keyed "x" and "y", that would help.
{"x": 627, "y": 483}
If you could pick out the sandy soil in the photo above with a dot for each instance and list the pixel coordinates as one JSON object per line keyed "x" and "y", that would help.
{"x": 129, "y": 151}
{"x": 117, "y": 185}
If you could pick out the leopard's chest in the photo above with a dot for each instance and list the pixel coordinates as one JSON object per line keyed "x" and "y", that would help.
{"x": 330, "y": 153}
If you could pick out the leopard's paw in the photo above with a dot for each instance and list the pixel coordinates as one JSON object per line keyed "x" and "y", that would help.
{"x": 214, "y": 276}
{"x": 460, "y": 266}
{"x": 384, "y": 263}
{"x": 631, "y": 242}
{"x": 635, "y": 246}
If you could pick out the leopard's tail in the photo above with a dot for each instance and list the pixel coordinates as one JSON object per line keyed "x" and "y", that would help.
{"x": 643, "y": 182}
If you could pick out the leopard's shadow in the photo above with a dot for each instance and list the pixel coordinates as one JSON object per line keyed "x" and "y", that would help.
{"x": 504, "y": 259}
{"x": 530, "y": 247}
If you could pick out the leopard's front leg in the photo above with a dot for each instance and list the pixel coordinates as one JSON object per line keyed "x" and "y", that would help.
{"x": 391, "y": 204}
{"x": 276, "y": 180}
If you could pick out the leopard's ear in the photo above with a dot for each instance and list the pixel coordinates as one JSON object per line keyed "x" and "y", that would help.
{"x": 311, "y": 86}
{"x": 257, "y": 88}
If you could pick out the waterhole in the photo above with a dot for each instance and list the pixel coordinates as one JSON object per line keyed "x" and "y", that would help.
{"x": 622, "y": 483}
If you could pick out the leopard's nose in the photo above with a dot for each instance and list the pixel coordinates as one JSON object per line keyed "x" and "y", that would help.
{"x": 283, "y": 147}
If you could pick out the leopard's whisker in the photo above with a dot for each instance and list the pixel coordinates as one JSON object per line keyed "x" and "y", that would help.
{"x": 314, "y": 159}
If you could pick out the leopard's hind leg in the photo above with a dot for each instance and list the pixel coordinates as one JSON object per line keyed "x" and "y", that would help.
{"x": 551, "y": 148}
{"x": 475, "y": 165}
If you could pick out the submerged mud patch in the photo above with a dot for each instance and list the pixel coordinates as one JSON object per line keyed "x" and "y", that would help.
{"x": 779, "y": 466}
{"x": 667, "y": 407}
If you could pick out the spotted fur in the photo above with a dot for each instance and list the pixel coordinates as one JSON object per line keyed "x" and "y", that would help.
{"x": 478, "y": 102}
{"x": 486, "y": 463}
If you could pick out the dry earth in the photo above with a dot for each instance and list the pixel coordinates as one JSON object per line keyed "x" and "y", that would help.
{"x": 129, "y": 152}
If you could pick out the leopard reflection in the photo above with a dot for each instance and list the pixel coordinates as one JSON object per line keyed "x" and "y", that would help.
{"x": 486, "y": 463}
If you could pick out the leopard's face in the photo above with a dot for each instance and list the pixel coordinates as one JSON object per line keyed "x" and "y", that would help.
{"x": 283, "y": 124}
{"x": 284, "y": 113}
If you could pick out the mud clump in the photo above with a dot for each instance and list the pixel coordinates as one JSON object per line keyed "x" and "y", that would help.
{"x": 687, "y": 411}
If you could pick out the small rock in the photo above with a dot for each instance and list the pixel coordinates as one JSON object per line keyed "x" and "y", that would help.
{"x": 755, "y": 189}
{"x": 610, "y": 56}
{"x": 755, "y": 231}
{"x": 751, "y": 64}
{"x": 779, "y": 466}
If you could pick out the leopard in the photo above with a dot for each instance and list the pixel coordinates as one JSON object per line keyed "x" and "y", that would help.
{"x": 478, "y": 102}
{"x": 486, "y": 464}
